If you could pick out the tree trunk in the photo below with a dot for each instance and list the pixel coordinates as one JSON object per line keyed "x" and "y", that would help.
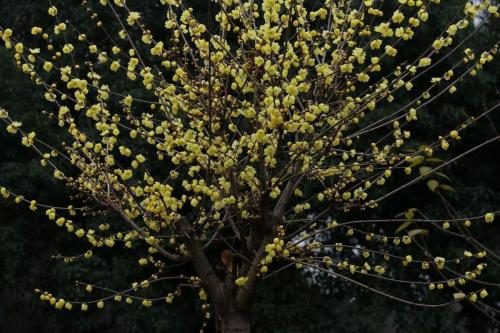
{"x": 233, "y": 322}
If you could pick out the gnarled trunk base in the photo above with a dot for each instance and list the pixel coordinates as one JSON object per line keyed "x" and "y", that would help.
{"x": 233, "y": 322}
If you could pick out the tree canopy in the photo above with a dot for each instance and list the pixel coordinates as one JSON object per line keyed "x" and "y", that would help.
{"x": 218, "y": 145}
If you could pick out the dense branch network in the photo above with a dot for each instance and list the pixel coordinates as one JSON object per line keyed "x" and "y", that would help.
{"x": 241, "y": 137}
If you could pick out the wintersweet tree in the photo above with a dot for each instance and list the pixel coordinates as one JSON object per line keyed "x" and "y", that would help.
{"x": 248, "y": 139}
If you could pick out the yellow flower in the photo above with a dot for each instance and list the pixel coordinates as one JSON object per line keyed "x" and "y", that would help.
{"x": 397, "y": 17}
{"x": 59, "y": 304}
{"x": 60, "y": 221}
{"x": 375, "y": 44}
{"x": 127, "y": 174}
{"x": 68, "y": 48}
{"x": 390, "y": 51}
{"x": 241, "y": 281}
{"x": 60, "y": 27}
{"x": 115, "y": 65}
{"x": 140, "y": 158}
{"x": 128, "y": 100}
{"x": 440, "y": 261}
{"x": 36, "y": 30}
{"x": 133, "y": 17}
{"x": 52, "y": 11}
{"x": 489, "y": 217}
{"x": 454, "y": 134}
{"x": 19, "y": 47}
{"x": 445, "y": 145}
{"x": 346, "y": 68}
{"x": 47, "y": 66}
{"x": 424, "y": 62}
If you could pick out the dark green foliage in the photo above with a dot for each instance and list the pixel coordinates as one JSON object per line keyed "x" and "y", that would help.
{"x": 286, "y": 303}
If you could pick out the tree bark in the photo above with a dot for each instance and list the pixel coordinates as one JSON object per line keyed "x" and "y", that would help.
{"x": 233, "y": 322}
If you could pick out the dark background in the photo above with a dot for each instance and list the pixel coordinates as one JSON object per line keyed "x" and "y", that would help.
{"x": 288, "y": 302}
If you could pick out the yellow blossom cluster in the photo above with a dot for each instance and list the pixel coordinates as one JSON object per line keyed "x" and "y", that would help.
{"x": 272, "y": 113}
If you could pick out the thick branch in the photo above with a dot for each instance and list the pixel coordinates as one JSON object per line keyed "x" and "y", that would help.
{"x": 199, "y": 260}
{"x": 141, "y": 232}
